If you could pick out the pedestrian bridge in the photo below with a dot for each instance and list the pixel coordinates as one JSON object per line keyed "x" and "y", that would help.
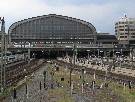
{"x": 82, "y": 47}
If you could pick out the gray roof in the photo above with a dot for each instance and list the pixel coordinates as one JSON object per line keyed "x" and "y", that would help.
{"x": 50, "y": 15}
{"x": 106, "y": 37}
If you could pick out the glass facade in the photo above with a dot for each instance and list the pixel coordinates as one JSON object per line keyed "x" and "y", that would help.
{"x": 51, "y": 26}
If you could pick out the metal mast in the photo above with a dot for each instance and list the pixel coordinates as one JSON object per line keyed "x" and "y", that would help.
{"x": 74, "y": 58}
{"x": 3, "y": 54}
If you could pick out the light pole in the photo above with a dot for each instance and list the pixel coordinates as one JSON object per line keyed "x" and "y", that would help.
{"x": 131, "y": 57}
{"x": 88, "y": 55}
{"x": 3, "y": 54}
{"x": 14, "y": 94}
{"x": 107, "y": 68}
{"x": 121, "y": 57}
{"x": 102, "y": 57}
{"x": 26, "y": 87}
{"x": 88, "y": 51}
{"x": 114, "y": 57}
{"x": 98, "y": 52}
{"x": 28, "y": 55}
{"x": 71, "y": 69}
{"x": 44, "y": 73}
{"x": 52, "y": 76}
{"x": 82, "y": 80}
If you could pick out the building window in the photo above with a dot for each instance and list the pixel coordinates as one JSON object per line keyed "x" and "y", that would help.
{"x": 133, "y": 33}
{"x": 131, "y": 22}
{"x": 121, "y": 29}
{"x": 132, "y": 36}
{"x": 121, "y": 36}
{"x": 126, "y": 29}
{"x": 121, "y": 26}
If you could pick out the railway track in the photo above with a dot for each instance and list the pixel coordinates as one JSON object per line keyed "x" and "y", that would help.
{"x": 120, "y": 78}
{"x": 18, "y": 71}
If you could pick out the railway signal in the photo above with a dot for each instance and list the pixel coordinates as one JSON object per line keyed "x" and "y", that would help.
{"x": 94, "y": 75}
{"x": 52, "y": 77}
{"x": 26, "y": 87}
{"x": 82, "y": 75}
{"x": 129, "y": 84}
{"x": 44, "y": 85}
{"x": 26, "y": 91}
{"x": 57, "y": 68}
{"x": 72, "y": 87}
{"x": 93, "y": 84}
{"x": 14, "y": 93}
{"x": 62, "y": 79}
{"x": 44, "y": 74}
{"x": 124, "y": 84}
{"x": 40, "y": 85}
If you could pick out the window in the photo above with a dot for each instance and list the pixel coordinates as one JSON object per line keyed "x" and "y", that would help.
{"x": 121, "y": 26}
{"x": 133, "y": 33}
{"x": 121, "y": 29}
{"x": 132, "y": 36}
{"x": 121, "y": 36}
{"x": 121, "y": 33}
{"x": 131, "y": 22}
{"x": 127, "y": 29}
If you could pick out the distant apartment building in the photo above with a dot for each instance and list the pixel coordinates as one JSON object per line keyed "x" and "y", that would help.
{"x": 125, "y": 30}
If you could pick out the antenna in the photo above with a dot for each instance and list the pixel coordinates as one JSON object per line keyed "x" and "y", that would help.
{"x": 125, "y": 15}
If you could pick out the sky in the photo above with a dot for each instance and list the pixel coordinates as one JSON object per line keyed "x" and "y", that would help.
{"x": 101, "y": 13}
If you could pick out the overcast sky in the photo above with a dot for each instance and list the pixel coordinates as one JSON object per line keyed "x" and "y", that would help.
{"x": 101, "y": 13}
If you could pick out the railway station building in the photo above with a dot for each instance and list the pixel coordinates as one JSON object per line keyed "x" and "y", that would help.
{"x": 57, "y": 29}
